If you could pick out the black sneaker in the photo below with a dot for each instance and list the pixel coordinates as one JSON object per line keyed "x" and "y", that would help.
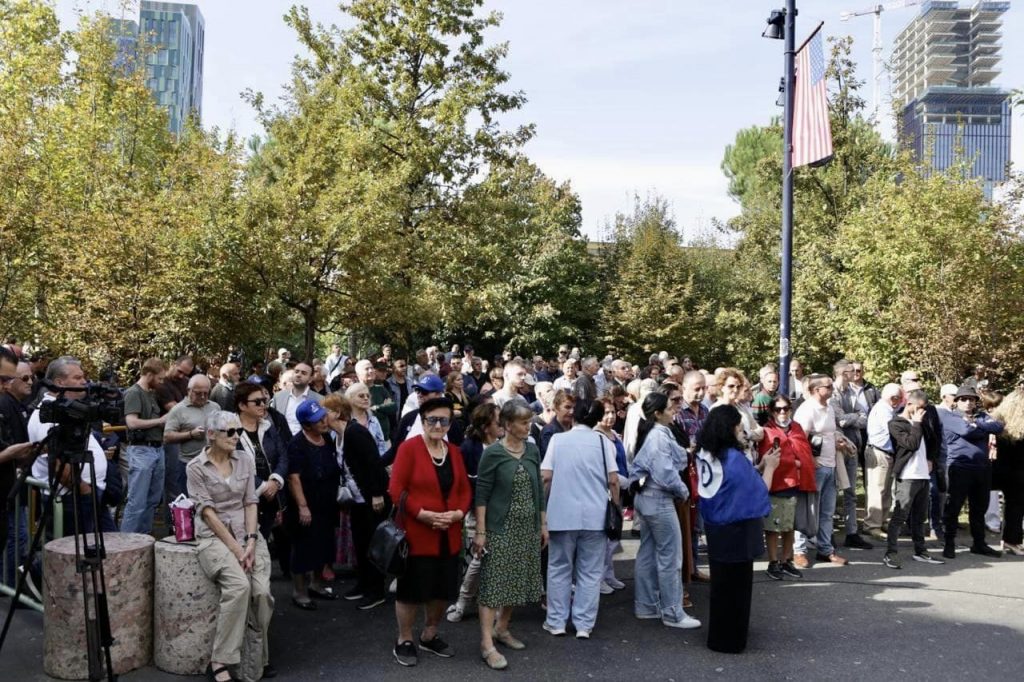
{"x": 890, "y": 560}
{"x": 926, "y": 558}
{"x": 353, "y": 594}
{"x": 370, "y": 602}
{"x": 405, "y": 654}
{"x": 855, "y": 541}
{"x": 774, "y": 570}
{"x": 985, "y": 550}
{"x": 949, "y": 551}
{"x": 438, "y": 647}
{"x": 792, "y": 571}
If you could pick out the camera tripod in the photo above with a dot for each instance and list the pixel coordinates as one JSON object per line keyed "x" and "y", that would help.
{"x": 88, "y": 558}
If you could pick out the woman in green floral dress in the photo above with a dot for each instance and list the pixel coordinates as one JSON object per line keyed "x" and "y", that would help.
{"x": 511, "y": 530}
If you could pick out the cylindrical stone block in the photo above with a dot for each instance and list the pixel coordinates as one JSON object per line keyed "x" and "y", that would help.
{"x": 185, "y": 606}
{"x": 128, "y": 571}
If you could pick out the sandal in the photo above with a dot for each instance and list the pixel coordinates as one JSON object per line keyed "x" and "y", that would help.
{"x": 211, "y": 673}
{"x": 493, "y": 659}
{"x": 506, "y": 638}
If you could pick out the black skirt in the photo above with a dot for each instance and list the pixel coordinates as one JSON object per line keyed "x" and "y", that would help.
{"x": 429, "y": 578}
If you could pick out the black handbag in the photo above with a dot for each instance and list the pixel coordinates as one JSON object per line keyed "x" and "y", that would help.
{"x": 612, "y": 513}
{"x": 389, "y": 548}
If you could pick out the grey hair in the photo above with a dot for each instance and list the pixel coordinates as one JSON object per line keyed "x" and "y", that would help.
{"x": 647, "y": 386}
{"x": 58, "y": 369}
{"x": 514, "y": 411}
{"x": 198, "y": 379}
{"x": 589, "y": 362}
{"x": 219, "y": 421}
{"x": 355, "y": 388}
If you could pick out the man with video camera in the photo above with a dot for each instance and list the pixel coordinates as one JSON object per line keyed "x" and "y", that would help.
{"x": 66, "y": 372}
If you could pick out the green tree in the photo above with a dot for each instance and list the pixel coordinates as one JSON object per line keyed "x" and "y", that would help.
{"x": 387, "y": 126}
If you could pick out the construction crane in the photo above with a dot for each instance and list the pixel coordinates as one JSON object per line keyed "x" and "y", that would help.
{"x": 876, "y": 45}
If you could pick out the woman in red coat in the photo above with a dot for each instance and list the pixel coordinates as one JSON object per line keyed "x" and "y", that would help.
{"x": 793, "y": 476}
{"x": 430, "y": 473}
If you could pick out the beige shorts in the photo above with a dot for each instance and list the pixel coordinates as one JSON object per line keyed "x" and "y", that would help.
{"x": 782, "y": 515}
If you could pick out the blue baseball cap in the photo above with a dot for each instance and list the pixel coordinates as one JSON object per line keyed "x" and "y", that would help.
{"x": 310, "y": 412}
{"x": 430, "y": 383}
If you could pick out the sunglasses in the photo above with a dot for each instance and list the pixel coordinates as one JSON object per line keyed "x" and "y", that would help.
{"x": 438, "y": 421}
{"x": 27, "y": 378}
{"x": 257, "y": 401}
{"x": 782, "y": 408}
{"x": 731, "y": 386}
{"x": 231, "y": 433}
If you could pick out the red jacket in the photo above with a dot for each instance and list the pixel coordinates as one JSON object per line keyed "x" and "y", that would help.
{"x": 794, "y": 446}
{"x": 414, "y": 472}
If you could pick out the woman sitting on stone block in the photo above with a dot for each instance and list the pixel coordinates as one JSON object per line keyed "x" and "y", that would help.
{"x": 231, "y": 551}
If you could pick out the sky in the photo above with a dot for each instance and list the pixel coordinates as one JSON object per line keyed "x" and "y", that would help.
{"x": 629, "y": 98}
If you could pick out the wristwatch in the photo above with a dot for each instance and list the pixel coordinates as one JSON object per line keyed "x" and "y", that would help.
{"x": 251, "y": 536}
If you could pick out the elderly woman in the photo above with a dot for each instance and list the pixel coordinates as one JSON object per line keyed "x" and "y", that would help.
{"x": 313, "y": 477}
{"x": 580, "y": 472}
{"x": 734, "y": 502}
{"x": 222, "y": 483}
{"x": 358, "y": 396}
{"x": 511, "y": 530}
{"x": 656, "y": 469}
{"x": 484, "y": 430}
{"x": 606, "y": 428}
{"x": 364, "y": 475}
{"x": 734, "y": 385}
{"x": 263, "y": 443}
{"x": 429, "y": 483}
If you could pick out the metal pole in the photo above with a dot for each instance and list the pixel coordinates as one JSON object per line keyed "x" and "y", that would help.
{"x": 785, "y": 308}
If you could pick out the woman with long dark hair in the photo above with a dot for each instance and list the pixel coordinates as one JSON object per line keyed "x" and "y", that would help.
{"x": 659, "y": 561}
{"x": 734, "y": 502}
{"x": 1008, "y": 471}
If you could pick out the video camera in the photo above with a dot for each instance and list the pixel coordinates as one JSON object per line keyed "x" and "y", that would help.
{"x": 74, "y": 417}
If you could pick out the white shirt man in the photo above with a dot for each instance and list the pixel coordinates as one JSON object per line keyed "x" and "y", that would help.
{"x": 287, "y": 401}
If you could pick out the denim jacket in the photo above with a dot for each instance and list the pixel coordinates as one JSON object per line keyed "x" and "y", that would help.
{"x": 661, "y": 459}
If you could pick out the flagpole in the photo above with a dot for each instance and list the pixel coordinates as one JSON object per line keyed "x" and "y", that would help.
{"x": 785, "y": 307}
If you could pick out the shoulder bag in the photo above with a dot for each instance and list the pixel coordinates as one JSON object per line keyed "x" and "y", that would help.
{"x": 612, "y": 513}
{"x": 389, "y": 548}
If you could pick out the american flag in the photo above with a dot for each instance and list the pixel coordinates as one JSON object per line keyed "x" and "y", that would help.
{"x": 812, "y": 131}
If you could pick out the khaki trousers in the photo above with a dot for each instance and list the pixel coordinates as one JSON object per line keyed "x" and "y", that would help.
{"x": 879, "y": 487}
{"x": 242, "y": 597}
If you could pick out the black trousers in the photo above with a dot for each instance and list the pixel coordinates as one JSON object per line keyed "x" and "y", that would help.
{"x": 364, "y": 521}
{"x": 1013, "y": 513}
{"x": 910, "y": 505}
{"x": 731, "y": 586}
{"x": 972, "y": 486}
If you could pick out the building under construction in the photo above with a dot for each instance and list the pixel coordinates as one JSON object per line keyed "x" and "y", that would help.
{"x": 943, "y": 66}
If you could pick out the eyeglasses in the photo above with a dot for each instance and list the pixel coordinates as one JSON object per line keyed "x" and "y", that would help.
{"x": 200, "y": 394}
{"x": 782, "y": 408}
{"x": 438, "y": 421}
{"x": 27, "y": 378}
{"x": 231, "y": 433}
{"x": 731, "y": 386}
{"x": 257, "y": 401}
{"x": 963, "y": 399}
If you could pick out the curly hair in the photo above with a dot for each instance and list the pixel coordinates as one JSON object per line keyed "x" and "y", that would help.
{"x": 1011, "y": 413}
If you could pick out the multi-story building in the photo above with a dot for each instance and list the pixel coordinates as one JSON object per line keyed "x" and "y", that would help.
{"x": 174, "y": 35}
{"x": 943, "y": 67}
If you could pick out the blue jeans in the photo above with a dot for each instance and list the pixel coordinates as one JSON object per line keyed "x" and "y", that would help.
{"x": 825, "y": 477}
{"x": 575, "y": 556}
{"x": 16, "y": 538}
{"x": 145, "y": 486}
{"x": 171, "y": 489}
{"x": 659, "y": 561}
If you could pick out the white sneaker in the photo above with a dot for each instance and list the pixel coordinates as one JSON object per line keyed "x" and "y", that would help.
{"x": 687, "y": 623}
{"x": 583, "y": 634}
{"x": 1017, "y": 550}
{"x": 606, "y": 588}
{"x": 557, "y": 632}
{"x": 615, "y": 583}
{"x": 455, "y": 612}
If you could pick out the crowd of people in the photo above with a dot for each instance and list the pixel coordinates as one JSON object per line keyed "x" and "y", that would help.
{"x": 504, "y": 473}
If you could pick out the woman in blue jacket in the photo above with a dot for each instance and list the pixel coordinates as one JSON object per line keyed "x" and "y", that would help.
{"x": 733, "y": 502}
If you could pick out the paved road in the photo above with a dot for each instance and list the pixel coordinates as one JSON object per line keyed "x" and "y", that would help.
{"x": 961, "y": 620}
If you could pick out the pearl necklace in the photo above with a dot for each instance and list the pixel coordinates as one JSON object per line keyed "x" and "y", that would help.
{"x": 438, "y": 462}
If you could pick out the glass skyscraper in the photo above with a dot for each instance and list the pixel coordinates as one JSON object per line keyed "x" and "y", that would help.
{"x": 944, "y": 63}
{"x": 175, "y": 33}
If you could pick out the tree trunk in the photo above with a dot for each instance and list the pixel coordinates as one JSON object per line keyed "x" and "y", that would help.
{"x": 309, "y": 318}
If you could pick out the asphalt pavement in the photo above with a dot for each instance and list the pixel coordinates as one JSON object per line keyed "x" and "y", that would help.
{"x": 964, "y": 619}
